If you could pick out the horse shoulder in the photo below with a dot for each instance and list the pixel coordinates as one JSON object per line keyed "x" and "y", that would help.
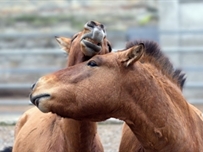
{"x": 43, "y": 130}
{"x": 22, "y": 120}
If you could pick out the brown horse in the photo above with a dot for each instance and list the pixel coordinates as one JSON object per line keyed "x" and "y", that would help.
{"x": 121, "y": 85}
{"x": 129, "y": 142}
{"x": 36, "y": 131}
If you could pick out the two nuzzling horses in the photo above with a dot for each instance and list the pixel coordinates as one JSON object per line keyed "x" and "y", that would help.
{"x": 37, "y": 131}
{"x": 137, "y": 85}
{"x": 144, "y": 94}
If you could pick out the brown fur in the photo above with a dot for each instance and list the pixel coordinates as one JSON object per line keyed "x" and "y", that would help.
{"x": 154, "y": 56}
{"x": 150, "y": 103}
{"x": 37, "y": 132}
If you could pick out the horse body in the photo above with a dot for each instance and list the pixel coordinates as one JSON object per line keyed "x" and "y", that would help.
{"x": 51, "y": 133}
{"x": 46, "y": 130}
{"x": 130, "y": 143}
{"x": 128, "y": 138}
{"x": 37, "y": 131}
{"x": 123, "y": 86}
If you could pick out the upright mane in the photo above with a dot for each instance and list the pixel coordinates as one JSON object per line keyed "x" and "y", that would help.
{"x": 155, "y": 56}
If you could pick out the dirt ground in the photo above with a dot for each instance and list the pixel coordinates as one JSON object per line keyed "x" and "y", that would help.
{"x": 110, "y": 135}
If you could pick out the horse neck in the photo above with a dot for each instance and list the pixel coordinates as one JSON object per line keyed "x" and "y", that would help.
{"x": 81, "y": 135}
{"x": 74, "y": 58}
{"x": 160, "y": 116}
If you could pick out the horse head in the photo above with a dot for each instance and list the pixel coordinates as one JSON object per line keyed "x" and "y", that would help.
{"x": 85, "y": 44}
{"x": 94, "y": 81}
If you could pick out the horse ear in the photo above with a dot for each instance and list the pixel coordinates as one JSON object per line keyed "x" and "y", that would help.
{"x": 133, "y": 54}
{"x": 64, "y": 43}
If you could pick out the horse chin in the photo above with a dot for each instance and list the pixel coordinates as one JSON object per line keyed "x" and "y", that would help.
{"x": 43, "y": 108}
{"x": 40, "y": 100}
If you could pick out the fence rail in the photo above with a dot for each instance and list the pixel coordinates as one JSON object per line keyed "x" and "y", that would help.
{"x": 182, "y": 32}
{"x": 32, "y": 52}
{"x": 27, "y": 52}
{"x": 34, "y": 34}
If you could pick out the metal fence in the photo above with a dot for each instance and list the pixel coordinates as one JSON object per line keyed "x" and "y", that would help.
{"x": 178, "y": 51}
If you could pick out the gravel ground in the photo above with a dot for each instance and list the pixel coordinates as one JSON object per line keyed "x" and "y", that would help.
{"x": 110, "y": 136}
{"x": 6, "y": 136}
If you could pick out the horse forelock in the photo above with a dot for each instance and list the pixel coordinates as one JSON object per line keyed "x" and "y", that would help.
{"x": 155, "y": 56}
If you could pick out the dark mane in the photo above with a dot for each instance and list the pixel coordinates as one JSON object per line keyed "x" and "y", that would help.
{"x": 154, "y": 55}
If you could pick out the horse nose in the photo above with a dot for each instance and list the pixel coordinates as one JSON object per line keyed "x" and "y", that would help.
{"x": 98, "y": 34}
{"x": 32, "y": 87}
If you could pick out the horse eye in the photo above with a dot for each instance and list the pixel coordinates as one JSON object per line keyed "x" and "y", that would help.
{"x": 92, "y": 63}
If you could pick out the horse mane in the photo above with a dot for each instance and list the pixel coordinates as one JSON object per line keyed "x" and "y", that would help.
{"x": 154, "y": 55}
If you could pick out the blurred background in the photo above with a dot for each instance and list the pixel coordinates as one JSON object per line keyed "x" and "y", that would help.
{"x": 29, "y": 50}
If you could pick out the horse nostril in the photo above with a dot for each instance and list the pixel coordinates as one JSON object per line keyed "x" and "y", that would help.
{"x": 90, "y": 25}
{"x": 32, "y": 87}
